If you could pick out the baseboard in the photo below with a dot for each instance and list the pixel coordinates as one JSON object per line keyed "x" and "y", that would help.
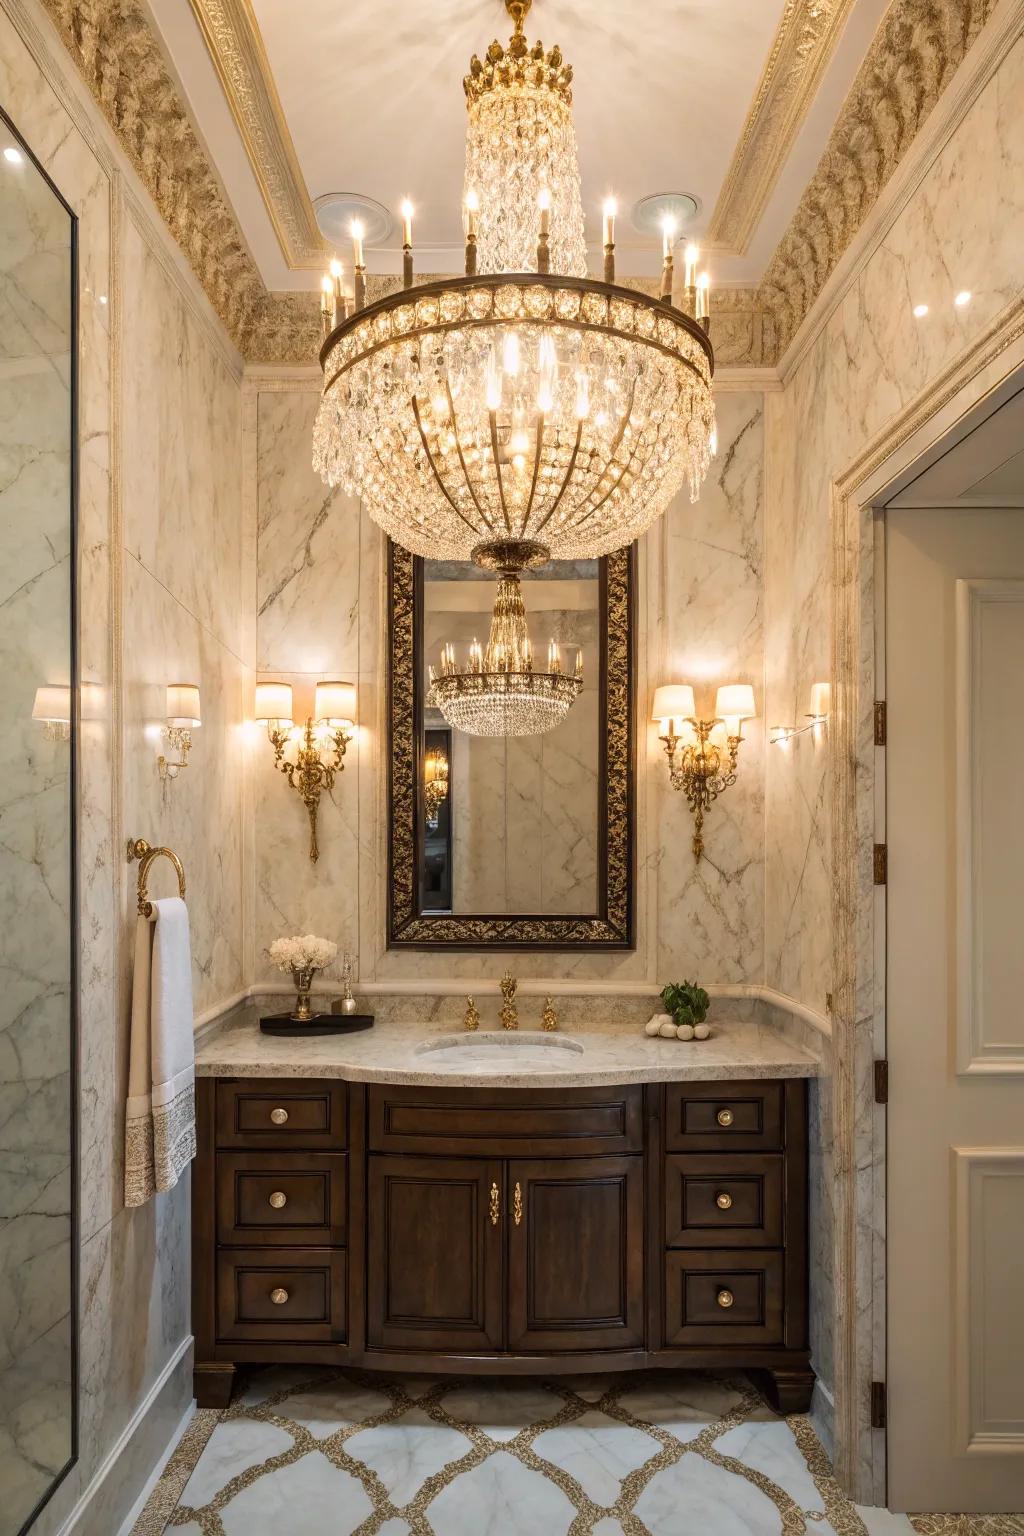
{"x": 138, "y": 1455}
{"x": 822, "y": 1415}
{"x": 157, "y": 1472}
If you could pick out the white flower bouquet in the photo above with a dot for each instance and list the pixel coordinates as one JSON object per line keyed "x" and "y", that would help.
{"x": 303, "y": 955}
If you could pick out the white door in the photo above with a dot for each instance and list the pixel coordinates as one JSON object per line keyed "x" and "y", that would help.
{"x": 954, "y": 664}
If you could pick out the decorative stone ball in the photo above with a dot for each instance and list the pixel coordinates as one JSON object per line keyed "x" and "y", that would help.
{"x": 667, "y": 1031}
{"x": 685, "y": 1032}
{"x": 701, "y": 1032}
{"x": 652, "y": 1026}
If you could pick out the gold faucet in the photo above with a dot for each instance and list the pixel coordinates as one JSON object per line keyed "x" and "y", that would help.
{"x": 472, "y": 1018}
{"x": 509, "y": 1015}
{"x": 549, "y": 1018}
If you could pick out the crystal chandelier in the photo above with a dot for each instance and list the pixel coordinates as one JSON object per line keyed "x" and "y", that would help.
{"x": 435, "y": 785}
{"x": 499, "y": 693}
{"x": 523, "y": 403}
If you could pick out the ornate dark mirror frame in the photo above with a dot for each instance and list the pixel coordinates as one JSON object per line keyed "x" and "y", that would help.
{"x": 611, "y": 926}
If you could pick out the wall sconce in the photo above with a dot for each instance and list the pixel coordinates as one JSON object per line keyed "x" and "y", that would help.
{"x": 183, "y": 717}
{"x": 816, "y": 719}
{"x": 703, "y": 771}
{"x": 329, "y": 728}
{"x": 52, "y": 706}
{"x": 435, "y": 784}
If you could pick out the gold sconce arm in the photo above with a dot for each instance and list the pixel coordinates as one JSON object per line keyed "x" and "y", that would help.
{"x": 702, "y": 773}
{"x": 309, "y": 773}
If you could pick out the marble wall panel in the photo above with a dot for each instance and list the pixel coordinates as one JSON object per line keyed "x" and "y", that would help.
{"x": 700, "y": 607}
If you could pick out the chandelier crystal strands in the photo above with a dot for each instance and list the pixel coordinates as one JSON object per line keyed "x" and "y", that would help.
{"x": 499, "y": 693}
{"x": 523, "y": 403}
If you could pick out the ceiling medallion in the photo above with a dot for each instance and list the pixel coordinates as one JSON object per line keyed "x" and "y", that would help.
{"x": 524, "y": 401}
{"x": 500, "y": 693}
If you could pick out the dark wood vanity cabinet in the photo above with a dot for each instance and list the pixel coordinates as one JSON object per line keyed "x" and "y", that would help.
{"x": 501, "y": 1230}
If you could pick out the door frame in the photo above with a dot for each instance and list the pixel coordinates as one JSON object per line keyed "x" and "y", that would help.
{"x": 981, "y": 380}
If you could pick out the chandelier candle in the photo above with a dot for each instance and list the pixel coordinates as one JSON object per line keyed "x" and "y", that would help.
{"x": 406, "y": 243}
{"x": 425, "y": 389}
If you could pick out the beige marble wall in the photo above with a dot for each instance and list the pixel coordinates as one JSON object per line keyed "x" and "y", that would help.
{"x": 869, "y": 362}
{"x": 700, "y": 615}
{"x": 162, "y": 591}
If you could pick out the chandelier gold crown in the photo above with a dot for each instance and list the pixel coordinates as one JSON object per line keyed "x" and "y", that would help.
{"x": 519, "y": 64}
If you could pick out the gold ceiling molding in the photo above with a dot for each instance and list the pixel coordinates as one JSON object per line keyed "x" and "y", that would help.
{"x": 803, "y": 45}
{"x": 235, "y": 45}
{"x": 914, "y": 54}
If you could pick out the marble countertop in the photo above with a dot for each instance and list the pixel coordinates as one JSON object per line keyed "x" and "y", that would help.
{"x": 428, "y": 1053}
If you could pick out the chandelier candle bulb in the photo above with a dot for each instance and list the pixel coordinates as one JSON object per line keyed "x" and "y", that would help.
{"x": 328, "y": 307}
{"x": 470, "y": 209}
{"x": 610, "y": 210}
{"x": 544, "y": 237}
{"x": 704, "y": 300}
{"x": 357, "y": 261}
{"x": 406, "y": 243}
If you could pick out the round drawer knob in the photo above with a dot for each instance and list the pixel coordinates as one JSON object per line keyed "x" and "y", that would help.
{"x": 724, "y": 1117}
{"x": 725, "y": 1298}
{"x": 279, "y": 1199}
{"x": 279, "y": 1116}
{"x": 723, "y": 1200}
{"x": 279, "y": 1296}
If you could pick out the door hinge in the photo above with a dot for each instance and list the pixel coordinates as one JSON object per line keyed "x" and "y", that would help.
{"x": 881, "y": 1082}
{"x": 881, "y": 864}
{"x": 878, "y": 1405}
{"x": 880, "y": 722}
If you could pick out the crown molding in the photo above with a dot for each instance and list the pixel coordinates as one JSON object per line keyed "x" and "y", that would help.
{"x": 235, "y": 45}
{"x": 802, "y": 48}
{"x": 915, "y": 53}
{"x": 1007, "y": 22}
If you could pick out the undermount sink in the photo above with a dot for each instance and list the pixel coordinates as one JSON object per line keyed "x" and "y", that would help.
{"x": 499, "y": 1051}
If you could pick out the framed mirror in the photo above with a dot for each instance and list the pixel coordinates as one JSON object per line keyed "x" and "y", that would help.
{"x": 500, "y": 840}
{"x": 38, "y": 744}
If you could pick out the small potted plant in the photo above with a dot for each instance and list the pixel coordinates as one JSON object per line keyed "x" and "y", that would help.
{"x": 303, "y": 955}
{"x": 687, "y": 1006}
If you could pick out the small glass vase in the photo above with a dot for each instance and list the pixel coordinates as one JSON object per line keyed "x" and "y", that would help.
{"x": 303, "y": 979}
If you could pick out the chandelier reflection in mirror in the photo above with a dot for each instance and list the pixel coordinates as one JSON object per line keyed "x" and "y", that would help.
{"x": 500, "y": 693}
{"x": 523, "y": 403}
{"x": 435, "y": 785}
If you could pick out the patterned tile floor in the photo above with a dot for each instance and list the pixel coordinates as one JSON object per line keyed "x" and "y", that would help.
{"x": 340, "y": 1453}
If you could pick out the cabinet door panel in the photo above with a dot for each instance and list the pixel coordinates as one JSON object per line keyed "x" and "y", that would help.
{"x": 434, "y": 1254}
{"x": 575, "y": 1254}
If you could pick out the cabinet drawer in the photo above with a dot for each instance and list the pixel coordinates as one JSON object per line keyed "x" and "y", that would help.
{"x": 274, "y": 1198}
{"x": 506, "y": 1122}
{"x": 728, "y": 1201}
{"x": 723, "y": 1117}
{"x": 722, "y": 1297}
{"x": 294, "y": 1295}
{"x": 286, "y": 1112}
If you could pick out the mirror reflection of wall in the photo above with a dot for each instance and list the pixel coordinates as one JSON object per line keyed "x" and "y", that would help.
{"x": 521, "y": 818}
{"x": 37, "y": 1174}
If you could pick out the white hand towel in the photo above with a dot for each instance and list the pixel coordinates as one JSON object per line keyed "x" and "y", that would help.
{"x": 160, "y": 1127}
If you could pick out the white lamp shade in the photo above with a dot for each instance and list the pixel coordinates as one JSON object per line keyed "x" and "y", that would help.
{"x": 274, "y": 702}
{"x": 820, "y": 700}
{"x": 735, "y": 701}
{"x": 336, "y": 703}
{"x": 183, "y": 705}
{"x": 53, "y": 702}
{"x": 673, "y": 701}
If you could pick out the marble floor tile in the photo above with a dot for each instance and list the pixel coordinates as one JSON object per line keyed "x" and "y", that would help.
{"x": 501, "y": 1497}
{"x": 335, "y": 1452}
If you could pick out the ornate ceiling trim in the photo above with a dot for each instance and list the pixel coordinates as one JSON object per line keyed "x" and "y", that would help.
{"x": 804, "y": 42}
{"x": 914, "y": 54}
{"x": 235, "y": 45}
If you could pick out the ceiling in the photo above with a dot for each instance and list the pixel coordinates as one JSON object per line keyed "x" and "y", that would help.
{"x": 984, "y": 469}
{"x": 729, "y": 100}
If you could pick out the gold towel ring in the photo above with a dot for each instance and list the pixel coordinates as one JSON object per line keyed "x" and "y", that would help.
{"x": 139, "y": 849}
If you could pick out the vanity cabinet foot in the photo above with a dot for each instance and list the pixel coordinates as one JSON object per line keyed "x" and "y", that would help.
{"x": 789, "y": 1391}
{"x": 212, "y": 1384}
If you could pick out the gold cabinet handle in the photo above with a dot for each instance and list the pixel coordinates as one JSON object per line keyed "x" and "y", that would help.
{"x": 495, "y": 1205}
{"x": 517, "y": 1205}
{"x": 278, "y": 1199}
{"x": 725, "y": 1298}
{"x": 279, "y": 1296}
{"x": 279, "y": 1116}
{"x": 724, "y": 1117}
{"x": 723, "y": 1200}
